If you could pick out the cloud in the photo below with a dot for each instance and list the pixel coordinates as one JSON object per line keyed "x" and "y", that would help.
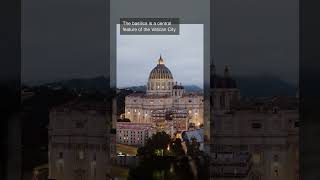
{"x": 183, "y": 55}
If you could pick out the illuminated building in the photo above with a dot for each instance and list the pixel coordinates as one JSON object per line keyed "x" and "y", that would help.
{"x": 164, "y": 96}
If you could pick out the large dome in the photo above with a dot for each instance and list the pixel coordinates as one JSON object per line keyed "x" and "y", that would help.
{"x": 160, "y": 71}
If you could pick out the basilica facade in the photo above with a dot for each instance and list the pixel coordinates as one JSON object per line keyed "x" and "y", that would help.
{"x": 165, "y": 101}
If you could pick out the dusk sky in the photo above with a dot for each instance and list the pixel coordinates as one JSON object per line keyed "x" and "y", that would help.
{"x": 253, "y": 37}
{"x": 137, "y": 55}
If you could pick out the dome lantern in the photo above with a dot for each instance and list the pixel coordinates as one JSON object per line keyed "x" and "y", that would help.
{"x": 160, "y": 61}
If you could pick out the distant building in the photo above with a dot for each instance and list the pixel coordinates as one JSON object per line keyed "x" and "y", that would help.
{"x": 79, "y": 143}
{"x": 266, "y": 128}
{"x": 133, "y": 133}
{"x": 166, "y": 95}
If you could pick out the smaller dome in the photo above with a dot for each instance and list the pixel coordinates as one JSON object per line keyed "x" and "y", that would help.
{"x": 177, "y": 87}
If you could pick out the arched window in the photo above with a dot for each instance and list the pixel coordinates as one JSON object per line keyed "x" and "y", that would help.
{"x": 60, "y": 155}
{"x": 222, "y": 101}
{"x": 276, "y": 171}
{"x": 93, "y": 166}
{"x": 60, "y": 163}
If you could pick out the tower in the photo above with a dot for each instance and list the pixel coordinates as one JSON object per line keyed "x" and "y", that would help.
{"x": 224, "y": 91}
{"x": 177, "y": 90}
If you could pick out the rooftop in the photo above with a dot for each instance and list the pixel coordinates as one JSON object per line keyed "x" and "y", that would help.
{"x": 268, "y": 103}
{"x": 133, "y": 126}
{"x": 79, "y": 104}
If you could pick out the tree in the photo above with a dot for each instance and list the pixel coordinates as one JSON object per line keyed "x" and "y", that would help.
{"x": 176, "y": 147}
{"x": 156, "y": 145}
{"x": 152, "y": 166}
{"x": 193, "y": 147}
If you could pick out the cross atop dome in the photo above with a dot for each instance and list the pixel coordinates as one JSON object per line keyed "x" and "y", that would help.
{"x": 160, "y": 61}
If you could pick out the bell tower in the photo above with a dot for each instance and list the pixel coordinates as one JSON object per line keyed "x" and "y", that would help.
{"x": 224, "y": 91}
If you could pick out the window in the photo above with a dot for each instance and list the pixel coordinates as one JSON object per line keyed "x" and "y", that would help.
{"x": 93, "y": 169}
{"x": 256, "y": 158}
{"x": 60, "y": 155}
{"x": 81, "y": 155}
{"x": 79, "y": 124}
{"x": 276, "y": 171}
{"x": 60, "y": 164}
{"x": 256, "y": 125}
{"x": 222, "y": 101}
{"x": 275, "y": 158}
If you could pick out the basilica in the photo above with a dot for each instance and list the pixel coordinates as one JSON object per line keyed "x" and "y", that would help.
{"x": 165, "y": 102}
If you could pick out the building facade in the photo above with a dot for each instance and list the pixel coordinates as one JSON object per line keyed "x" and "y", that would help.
{"x": 134, "y": 134}
{"x": 165, "y": 95}
{"x": 265, "y": 128}
{"x": 79, "y": 145}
